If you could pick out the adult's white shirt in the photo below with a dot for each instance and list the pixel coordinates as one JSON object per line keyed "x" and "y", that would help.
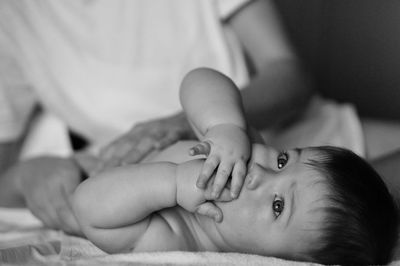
{"x": 103, "y": 65}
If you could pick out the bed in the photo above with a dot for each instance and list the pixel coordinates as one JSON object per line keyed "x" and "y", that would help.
{"x": 24, "y": 240}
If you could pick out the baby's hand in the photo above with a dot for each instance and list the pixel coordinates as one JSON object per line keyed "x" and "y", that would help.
{"x": 193, "y": 199}
{"x": 227, "y": 148}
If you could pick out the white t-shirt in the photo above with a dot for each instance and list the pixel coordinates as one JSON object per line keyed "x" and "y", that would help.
{"x": 103, "y": 65}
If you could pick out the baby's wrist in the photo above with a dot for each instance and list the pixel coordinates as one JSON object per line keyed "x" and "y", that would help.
{"x": 182, "y": 184}
{"x": 188, "y": 196}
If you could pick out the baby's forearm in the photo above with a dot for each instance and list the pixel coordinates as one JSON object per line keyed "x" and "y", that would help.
{"x": 125, "y": 195}
{"x": 114, "y": 208}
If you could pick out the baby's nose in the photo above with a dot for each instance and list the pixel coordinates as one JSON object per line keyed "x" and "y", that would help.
{"x": 255, "y": 176}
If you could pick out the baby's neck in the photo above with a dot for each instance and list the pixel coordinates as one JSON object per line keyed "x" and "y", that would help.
{"x": 198, "y": 229}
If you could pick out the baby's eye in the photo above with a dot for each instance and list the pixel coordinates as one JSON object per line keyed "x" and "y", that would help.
{"x": 277, "y": 206}
{"x": 283, "y": 158}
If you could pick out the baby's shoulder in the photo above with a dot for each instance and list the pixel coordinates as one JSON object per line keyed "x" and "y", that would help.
{"x": 169, "y": 230}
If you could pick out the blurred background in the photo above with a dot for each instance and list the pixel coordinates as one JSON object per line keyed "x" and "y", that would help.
{"x": 353, "y": 49}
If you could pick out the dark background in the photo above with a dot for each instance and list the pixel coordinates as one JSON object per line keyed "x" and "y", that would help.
{"x": 352, "y": 48}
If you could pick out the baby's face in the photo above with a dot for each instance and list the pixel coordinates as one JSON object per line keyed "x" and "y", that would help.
{"x": 278, "y": 211}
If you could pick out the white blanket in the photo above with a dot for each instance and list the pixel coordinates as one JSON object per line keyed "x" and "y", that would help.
{"x": 23, "y": 241}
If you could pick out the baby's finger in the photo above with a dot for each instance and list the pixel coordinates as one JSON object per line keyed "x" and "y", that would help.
{"x": 238, "y": 176}
{"x": 200, "y": 148}
{"x": 209, "y": 166}
{"x": 209, "y": 209}
{"x": 225, "y": 195}
{"x": 224, "y": 171}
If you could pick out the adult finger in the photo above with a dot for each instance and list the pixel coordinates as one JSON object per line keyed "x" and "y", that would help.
{"x": 41, "y": 207}
{"x": 238, "y": 176}
{"x": 134, "y": 156}
{"x": 166, "y": 140}
{"x": 113, "y": 162}
{"x": 117, "y": 148}
{"x": 46, "y": 215}
{"x": 66, "y": 217}
{"x": 67, "y": 220}
{"x": 208, "y": 169}
{"x": 209, "y": 209}
{"x": 139, "y": 151}
{"x": 87, "y": 162}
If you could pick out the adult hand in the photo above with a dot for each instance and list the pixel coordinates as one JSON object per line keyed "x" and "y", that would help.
{"x": 88, "y": 163}
{"x": 47, "y": 184}
{"x": 144, "y": 138}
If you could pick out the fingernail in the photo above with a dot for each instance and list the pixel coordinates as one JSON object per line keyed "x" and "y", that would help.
{"x": 217, "y": 218}
{"x": 200, "y": 184}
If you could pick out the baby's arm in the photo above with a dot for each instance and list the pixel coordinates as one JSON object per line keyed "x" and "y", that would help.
{"x": 114, "y": 208}
{"x": 210, "y": 98}
{"x": 213, "y": 106}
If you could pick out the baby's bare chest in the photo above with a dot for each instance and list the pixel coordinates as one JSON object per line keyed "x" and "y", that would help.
{"x": 167, "y": 231}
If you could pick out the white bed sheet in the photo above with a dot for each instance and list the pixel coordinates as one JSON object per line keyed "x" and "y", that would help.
{"x": 24, "y": 241}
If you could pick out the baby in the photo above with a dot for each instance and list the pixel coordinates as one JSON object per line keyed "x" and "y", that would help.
{"x": 318, "y": 204}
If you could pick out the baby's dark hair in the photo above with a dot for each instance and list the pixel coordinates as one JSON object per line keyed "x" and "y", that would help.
{"x": 361, "y": 216}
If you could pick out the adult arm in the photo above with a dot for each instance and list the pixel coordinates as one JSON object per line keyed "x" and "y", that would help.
{"x": 277, "y": 93}
{"x": 43, "y": 184}
{"x": 279, "y": 90}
